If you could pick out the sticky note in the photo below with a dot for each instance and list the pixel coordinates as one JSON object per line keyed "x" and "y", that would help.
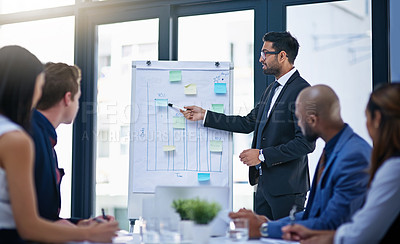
{"x": 203, "y": 177}
{"x": 215, "y": 146}
{"x": 175, "y": 75}
{"x": 178, "y": 122}
{"x": 161, "y": 102}
{"x": 191, "y": 89}
{"x": 220, "y": 88}
{"x": 168, "y": 148}
{"x": 218, "y": 108}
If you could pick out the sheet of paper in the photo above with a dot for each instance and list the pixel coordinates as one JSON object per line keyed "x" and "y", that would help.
{"x": 175, "y": 75}
{"x": 178, "y": 122}
{"x": 218, "y": 108}
{"x": 215, "y": 146}
{"x": 161, "y": 102}
{"x": 168, "y": 148}
{"x": 220, "y": 88}
{"x": 201, "y": 177}
{"x": 191, "y": 89}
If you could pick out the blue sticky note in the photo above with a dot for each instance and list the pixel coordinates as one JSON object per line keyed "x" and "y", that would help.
{"x": 220, "y": 88}
{"x": 161, "y": 102}
{"x": 201, "y": 177}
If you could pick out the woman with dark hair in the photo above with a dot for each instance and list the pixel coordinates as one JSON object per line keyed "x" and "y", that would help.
{"x": 21, "y": 81}
{"x": 378, "y": 220}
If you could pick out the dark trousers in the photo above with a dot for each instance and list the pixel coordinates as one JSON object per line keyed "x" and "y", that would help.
{"x": 276, "y": 207}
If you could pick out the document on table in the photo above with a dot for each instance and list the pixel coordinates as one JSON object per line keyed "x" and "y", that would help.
{"x": 277, "y": 241}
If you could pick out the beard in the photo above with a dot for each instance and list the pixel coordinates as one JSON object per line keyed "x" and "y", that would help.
{"x": 309, "y": 134}
{"x": 272, "y": 68}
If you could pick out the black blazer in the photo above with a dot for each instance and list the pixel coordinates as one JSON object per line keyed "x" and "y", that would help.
{"x": 285, "y": 169}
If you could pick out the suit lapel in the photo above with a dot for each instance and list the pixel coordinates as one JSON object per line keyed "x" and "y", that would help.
{"x": 291, "y": 79}
{"x": 339, "y": 145}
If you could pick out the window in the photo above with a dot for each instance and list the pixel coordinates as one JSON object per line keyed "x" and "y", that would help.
{"x": 117, "y": 48}
{"x": 50, "y": 40}
{"x": 336, "y": 50}
{"x": 12, "y": 6}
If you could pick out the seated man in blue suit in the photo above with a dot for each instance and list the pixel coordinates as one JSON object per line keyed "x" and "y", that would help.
{"x": 340, "y": 180}
{"x": 59, "y": 104}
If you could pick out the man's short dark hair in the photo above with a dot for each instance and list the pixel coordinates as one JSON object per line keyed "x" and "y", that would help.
{"x": 283, "y": 41}
{"x": 60, "y": 79}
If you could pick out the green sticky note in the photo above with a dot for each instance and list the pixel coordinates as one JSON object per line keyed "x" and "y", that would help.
{"x": 161, "y": 102}
{"x": 168, "y": 148}
{"x": 175, "y": 75}
{"x": 178, "y": 122}
{"x": 220, "y": 88}
{"x": 191, "y": 89}
{"x": 218, "y": 108}
{"x": 215, "y": 146}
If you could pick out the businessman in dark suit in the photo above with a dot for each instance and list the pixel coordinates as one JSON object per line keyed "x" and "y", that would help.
{"x": 278, "y": 158}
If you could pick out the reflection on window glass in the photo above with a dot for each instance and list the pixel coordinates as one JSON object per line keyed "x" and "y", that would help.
{"x": 335, "y": 49}
{"x": 12, "y": 6}
{"x": 228, "y": 37}
{"x": 118, "y": 45}
{"x": 50, "y": 40}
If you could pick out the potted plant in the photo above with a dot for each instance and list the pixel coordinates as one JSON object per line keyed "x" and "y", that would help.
{"x": 202, "y": 213}
{"x": 183, "y": 207}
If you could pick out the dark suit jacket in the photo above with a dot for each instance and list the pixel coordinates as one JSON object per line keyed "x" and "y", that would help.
{"x": 47, "y": 189}
{"x": 285, "y": 169}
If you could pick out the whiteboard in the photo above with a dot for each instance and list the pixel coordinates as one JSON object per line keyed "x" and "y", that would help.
{"x": 165, "y": 148}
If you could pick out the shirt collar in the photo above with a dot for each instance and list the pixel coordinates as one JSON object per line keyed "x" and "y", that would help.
{"x": 330, "y": 145}
{"x": 282, "y": 81}
{"x": 46, "y": 126}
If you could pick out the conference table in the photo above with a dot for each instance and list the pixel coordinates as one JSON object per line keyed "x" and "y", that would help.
{"x": 134, "y": 238}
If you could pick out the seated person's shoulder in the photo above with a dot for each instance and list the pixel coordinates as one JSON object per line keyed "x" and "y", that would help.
{"x": 14, "y": 143}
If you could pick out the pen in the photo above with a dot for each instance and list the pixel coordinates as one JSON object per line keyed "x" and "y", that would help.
{"x": 292, "y": 217}
{"x": 104, "y": 214}
{"x": 176, "y": 107}
{"x": 98, "y": 220}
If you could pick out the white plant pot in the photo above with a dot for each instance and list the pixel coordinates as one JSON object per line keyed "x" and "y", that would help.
{"x": 186, "y": 230}
{"x": 201, "y": 234}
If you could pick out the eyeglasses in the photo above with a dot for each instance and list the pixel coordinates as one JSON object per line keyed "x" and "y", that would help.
{"x": 265, "y": 53}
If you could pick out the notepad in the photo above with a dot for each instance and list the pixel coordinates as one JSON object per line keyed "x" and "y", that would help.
{"x": 178, "y": 122}
{"x": 175, "y": 75}
{"x": 215, "y": 146}
{"x": 220, "y": 88}
{"x": 218, "y": 108}
{"x": 191, "y": 89}
{"x": 161, "y": 102}
{"x": 169, "y": 148}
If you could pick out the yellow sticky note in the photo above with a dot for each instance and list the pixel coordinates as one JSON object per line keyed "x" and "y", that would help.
{"x": 178, "y": 122}
{"x": 168, "y": 148}
{"x": 215, "y": 146}
{"x": 218, "y": 108}
{"x": 191, "y": 89}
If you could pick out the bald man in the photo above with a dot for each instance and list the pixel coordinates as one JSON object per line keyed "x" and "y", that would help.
{"x": 340, "y": 180}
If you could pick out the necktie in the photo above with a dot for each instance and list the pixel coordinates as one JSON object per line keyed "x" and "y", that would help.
{"x": 318, "y": 173}
{"x": 321, "y": 165}
{"x": 264, "y": 117}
